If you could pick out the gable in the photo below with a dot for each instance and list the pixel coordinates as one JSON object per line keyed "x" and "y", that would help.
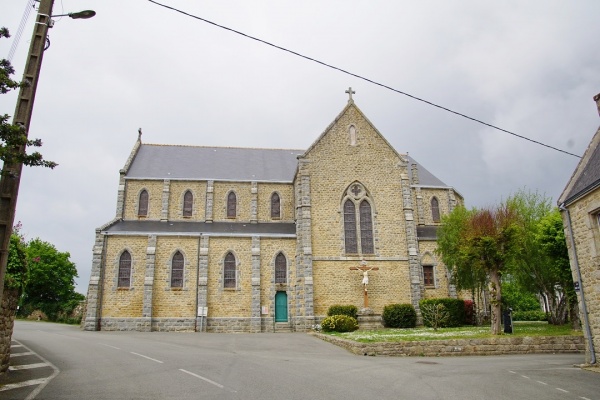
{"x": 586, "y": 176}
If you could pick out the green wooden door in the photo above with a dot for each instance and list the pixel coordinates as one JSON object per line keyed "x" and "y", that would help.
{"x": 281, "y": 313}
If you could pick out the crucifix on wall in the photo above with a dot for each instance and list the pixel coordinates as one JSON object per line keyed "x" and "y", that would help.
{"x": 365, "y": 280}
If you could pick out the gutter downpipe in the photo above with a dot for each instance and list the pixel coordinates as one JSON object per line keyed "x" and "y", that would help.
{"x": 583, "y": 306}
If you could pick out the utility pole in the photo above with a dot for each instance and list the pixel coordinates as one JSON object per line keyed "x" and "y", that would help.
{"x": 11, "y": 173}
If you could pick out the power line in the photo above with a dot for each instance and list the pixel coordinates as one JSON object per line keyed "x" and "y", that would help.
{"x": 17, "y": 37}
{"x": 364, "y": 79}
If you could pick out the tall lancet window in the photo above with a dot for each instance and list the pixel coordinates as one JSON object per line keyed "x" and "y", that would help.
{"x": 350, "y": 227}
{"x": 143, "y": 204}
{"x": 231, "y": 205}
{"x": 358, "y": 221}
{"x": 188, "y": 204}
{"x": 275, "y": 206}
{"x": 435, "y": 209}
{"x": 177, "y": 264}
{"x": 352, "y": 135}
{"x": 366, "y": 228}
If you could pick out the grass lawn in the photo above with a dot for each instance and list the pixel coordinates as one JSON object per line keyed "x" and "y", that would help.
{"x": 465, "y": 332}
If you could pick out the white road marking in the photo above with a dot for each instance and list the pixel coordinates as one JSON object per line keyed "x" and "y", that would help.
{"x": 203, "y": 378}
{"x": 543, "y": 383}
{"x": 526, "y": 377}
{"x": 584, "y": 398}
{"x": 42, "y": 382}
{"x": 23, "y": 384}
{"x": 562, "y": 390}
{"x": 152, "y": 359}
{"x": 12, "y": 346}
{"x": 25, "y": 353}
{"x": 27, "y": 366}
{"x": 108, "y": 345}
{"x": 512, "y": 372}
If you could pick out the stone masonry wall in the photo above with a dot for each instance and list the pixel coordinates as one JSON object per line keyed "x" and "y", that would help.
{"x": 170, "y": 302}
{"x": 584, "y": 222}
{"x": 286, "y": 197}
{"x": 243, "y": 192}
{"x": 9, "y": 303}
{"x": 176, "y": 193}
{"x": 132, "y": 193}
{"x": 124, "y": 302}
{"x": 464, "y": 347}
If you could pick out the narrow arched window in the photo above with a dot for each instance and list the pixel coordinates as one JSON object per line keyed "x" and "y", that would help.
{"x": 177, "y": 270}
{"x": 231, "y": 205}
{"x": 275, "y": 206}
{"x": 188, "y": 204}
{"x": 280, "y": 269}
{"x": 124, "y": 270}
{"x": 229, "y": 271}
{"x": 143, "y": 204}
{"x": 366, "y": 228}
{"x": 352, "y": 135}
{"x": 435, "y": 209}
{"x": 350, "y": 240}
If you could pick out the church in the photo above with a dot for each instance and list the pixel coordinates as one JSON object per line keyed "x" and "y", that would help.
{"x": 222, "y": 239}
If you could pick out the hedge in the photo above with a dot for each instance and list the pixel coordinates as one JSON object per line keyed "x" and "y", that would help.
{"x": 349, "y": 310}
{"x": 339, "y": 323}
{"x": 529, "y": 316}
{"x": 455, "y": 307}
{"x": 399, "y": 316}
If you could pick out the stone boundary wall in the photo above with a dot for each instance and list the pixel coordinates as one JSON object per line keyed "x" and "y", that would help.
{"x": 464, "y": 347}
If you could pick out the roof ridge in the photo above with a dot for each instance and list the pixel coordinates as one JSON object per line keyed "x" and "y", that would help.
{"x": 220, "y": 147}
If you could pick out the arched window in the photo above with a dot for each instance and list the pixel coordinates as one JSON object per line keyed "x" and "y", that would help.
{"x": 435, "y": 209}
{"x": 351, "y": 244}
{"x": 188, "y": 204}
{"x": 177, "y": 270}
{"x": 352, "y": 134}
{"x": 275, "y": 206}
{"x": 231, "y": 205}
{"x": 229, "y": 272}
{"x": 143, "y": 204}
{"x": 280, "y": 269}
{"x": 366, "y": 228}
{"x": 124, "y": 270}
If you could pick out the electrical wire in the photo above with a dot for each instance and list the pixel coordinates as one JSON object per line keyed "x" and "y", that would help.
{"x": 17, "y": 37}
{"x": 365, "y": 79}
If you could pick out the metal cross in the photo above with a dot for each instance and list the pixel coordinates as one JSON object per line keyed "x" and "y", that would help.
{"x": 350, "y": 93}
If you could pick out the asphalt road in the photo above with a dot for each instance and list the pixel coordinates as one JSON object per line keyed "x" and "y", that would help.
{"x": 135, "y": 365}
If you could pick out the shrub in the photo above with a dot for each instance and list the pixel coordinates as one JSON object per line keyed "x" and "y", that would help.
{"x": 470, "y": 312}
{"x": 399, "y": 316}
{"x": 339, "y": 323}
{"x": 349, "y": 310}
{"x": 455, "y": 308}
{"x": 529, "y": 316}
{"x": 435, "y": 315}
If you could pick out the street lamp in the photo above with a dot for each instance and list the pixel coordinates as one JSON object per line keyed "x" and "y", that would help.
{"x": 11, "y": 173}
{"x": 78, "y": 15}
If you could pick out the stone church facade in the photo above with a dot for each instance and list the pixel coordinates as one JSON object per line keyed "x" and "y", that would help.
{"x": 260, "y": 240}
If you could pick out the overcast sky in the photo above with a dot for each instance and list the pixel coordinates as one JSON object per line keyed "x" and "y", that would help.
{"x": 531, "y": 67}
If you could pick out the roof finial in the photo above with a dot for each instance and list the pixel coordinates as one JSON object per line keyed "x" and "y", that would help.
{"x": 139, "y": 133}
{"x": 350, "y": 93}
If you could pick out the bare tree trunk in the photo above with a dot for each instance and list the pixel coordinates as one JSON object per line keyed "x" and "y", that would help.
{"x": 495, "y": 300}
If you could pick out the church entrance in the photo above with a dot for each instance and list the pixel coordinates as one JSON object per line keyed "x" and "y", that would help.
{"x": 281, "y": 312}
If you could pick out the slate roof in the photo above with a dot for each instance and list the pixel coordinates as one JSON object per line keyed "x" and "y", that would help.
{"x": 587, "y": 174}
{"x": 154, "y": 161}
{"x": 193, "y": 228}
{"x": 216, "y": 163}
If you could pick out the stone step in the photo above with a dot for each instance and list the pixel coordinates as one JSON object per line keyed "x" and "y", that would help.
{"x": 283, "y": 327}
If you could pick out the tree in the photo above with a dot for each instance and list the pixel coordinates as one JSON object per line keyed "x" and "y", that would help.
{"x": 479, "y": 245}
{"x": 51, "y": 285}
{"x": 12, "y": 137}
{"x": 543, "y": 266}
{"x": 16, "y": 269}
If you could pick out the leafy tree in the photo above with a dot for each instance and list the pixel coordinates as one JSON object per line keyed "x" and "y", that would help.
{"x": 517, "y": 297}
{"x": 16, "y": 269}
{"x": 479, "y": 245}
{"x": 13, "y": 137}
{"x": 51, "y": 285}
{"x": 544, "y": 265}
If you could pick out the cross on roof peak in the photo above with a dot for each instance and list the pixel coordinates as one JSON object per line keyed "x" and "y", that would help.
{"x": 350, "y": 93}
